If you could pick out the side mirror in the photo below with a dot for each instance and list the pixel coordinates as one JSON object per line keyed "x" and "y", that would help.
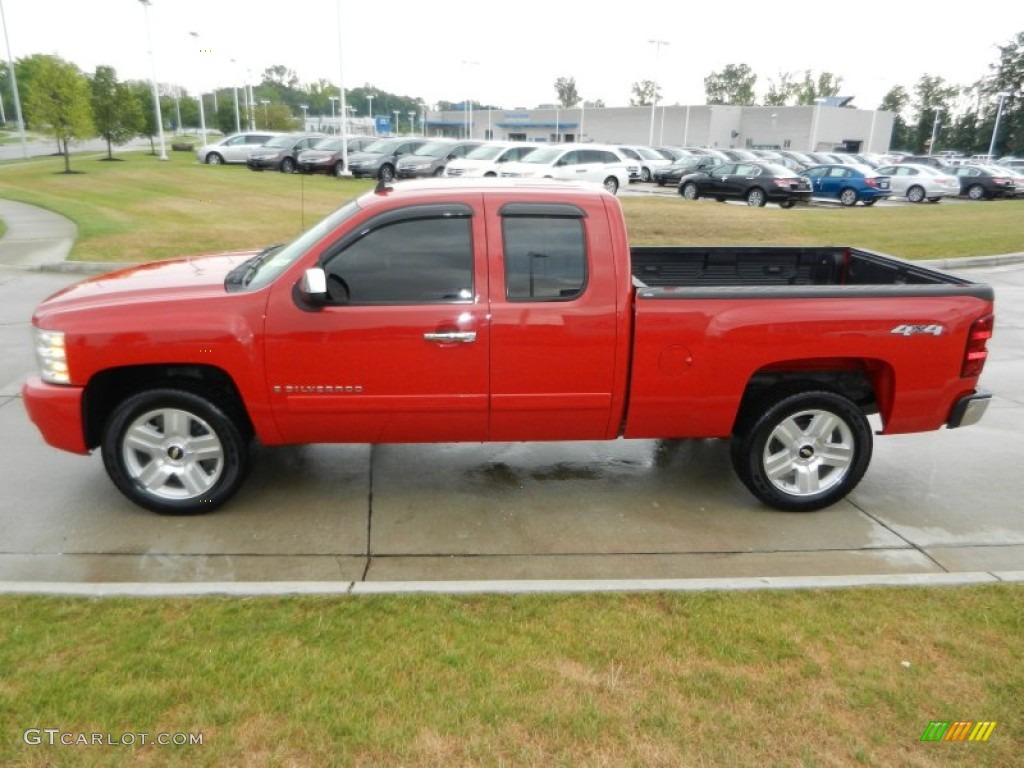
{"x": 313, "y": 286}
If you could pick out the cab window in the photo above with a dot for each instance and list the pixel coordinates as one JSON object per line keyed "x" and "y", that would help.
{"x": 545, "y": 258}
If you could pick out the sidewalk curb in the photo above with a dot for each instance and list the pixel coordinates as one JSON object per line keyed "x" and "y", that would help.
{"x": 526, "y": 586}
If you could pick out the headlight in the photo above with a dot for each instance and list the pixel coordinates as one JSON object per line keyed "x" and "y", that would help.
{"x": 52, "y": 356}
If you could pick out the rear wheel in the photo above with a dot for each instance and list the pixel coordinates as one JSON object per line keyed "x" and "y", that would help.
{"x": 787, "y": 203}
{"x": 848, "y": 197}
{"x": 934, "y": 199}
{"x": 976, "y": 192}
{"x": 287, "y": 165}
{"x": 386, "y": 173}
{"x": 756, "y": 198}
{"x": 805, "y": 451}
{"x": 175, "y": 452}
{"x": 869, "y": 203}
{"x": 645, "y": 174}
{"x": 214, "y": 159}
{"x": 915, "y": 194}
{"x": 611, "y": 184}
{"x": 689, "y": 191}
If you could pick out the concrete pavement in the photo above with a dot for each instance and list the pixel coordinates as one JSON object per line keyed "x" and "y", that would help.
{"x": 944, "y": 507}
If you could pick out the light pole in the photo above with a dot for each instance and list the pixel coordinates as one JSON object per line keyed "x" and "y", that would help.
{"x": 266, "y": 119}
{"x": 654, "y": 96}
{"x": 995, "y": 128}
{"x": 156, "y": 93}
{"x": 234, "y": 90}
{"x": 304, "y": 108}
{"x": 369, "y": 109}
{"x": 14, "y": 86}
{"x": 333, "y": 121}
{"x": 202, "y": 113}
{"x": 395, "y": 113}
{"x": 412, "y": 121}
{"x": 935, "y": 131}
{"x": 469, "y": 102}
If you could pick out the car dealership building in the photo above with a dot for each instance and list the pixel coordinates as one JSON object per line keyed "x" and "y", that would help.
{"x": 827, "y": 126}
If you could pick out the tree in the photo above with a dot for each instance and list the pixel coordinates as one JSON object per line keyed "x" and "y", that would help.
{"x": 781, "y": 92}
{"x": 1008, "y": 78}
{"x": 115, "y": 109}
{"x": 645, "y": 93}
{"x": 931, "y": 95}
{"x": 896, "y": 101}
{"x": 811, "y": 88}
{"x": 733, "y": 85}
{"x": 59, "y": 100}
{"x": 565, "y": 87}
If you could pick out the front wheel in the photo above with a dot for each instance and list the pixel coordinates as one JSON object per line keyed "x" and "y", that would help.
{"x": 976, "y": 192}
{"x": 287, "y": 165}
{"x": 689, "y": 191}
{"x": 915, "y": 194}
{"x": 806, "y": 450}
{"x": 756, "y": 198}
{"x": 645, "y": 175}
{"x": 869, "y": 203}
{"x": 387, "y": 173}
{"x": 848, "y": 197}
{"x": 174, "y": 452}
{"x": 787, "y": 203}
{"x": 214, "y": 159}
{"x": 339, "y": 169}
{"x": 612, "y": 184}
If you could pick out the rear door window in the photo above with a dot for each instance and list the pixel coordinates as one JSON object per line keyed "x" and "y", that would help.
{"x": 545, "y": 258}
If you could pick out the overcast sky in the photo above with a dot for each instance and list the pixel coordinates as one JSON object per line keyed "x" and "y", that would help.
{"x": 510, "y": 54}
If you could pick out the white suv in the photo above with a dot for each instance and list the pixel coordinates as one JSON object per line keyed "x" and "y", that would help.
{"x": 234, "y": 148}
{"x": 488, "y": 159}
{"x": 601, "y": 165}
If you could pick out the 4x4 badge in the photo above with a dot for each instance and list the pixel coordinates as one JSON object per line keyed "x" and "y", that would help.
{"x": 913, "y": 330}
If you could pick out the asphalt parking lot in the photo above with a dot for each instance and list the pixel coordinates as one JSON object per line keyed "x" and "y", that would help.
{"x": 948, "y": 502}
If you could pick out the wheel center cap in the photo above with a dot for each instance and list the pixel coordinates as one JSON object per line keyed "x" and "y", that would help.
{"x": 175, "y": 453}
{"x": 806, "y": 452}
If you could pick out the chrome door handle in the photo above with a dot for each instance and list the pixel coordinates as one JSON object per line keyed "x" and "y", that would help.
{"x": 450, "y": 337}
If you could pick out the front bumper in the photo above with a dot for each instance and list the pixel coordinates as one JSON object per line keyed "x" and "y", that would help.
{"x": 56, "y": 410}
{"x": 969, "y": 409}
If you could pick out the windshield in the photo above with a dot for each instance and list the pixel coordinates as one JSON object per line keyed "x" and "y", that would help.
{"x": 434, "y": 149}
{"x": 328, "y": 144}
{"x": 484, "y": 152}
{"x": 542, "y": 156}
{"x": 280, "y": 141}
{"x": 380, "y": 147}
{"x": 649, "y": 154}
{"x": 268, "y": 271}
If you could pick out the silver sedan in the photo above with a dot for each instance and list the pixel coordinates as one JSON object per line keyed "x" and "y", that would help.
{"x": 920, "y": 182}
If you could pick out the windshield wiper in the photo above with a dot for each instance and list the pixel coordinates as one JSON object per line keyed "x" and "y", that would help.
{"x": 242, "y": 275}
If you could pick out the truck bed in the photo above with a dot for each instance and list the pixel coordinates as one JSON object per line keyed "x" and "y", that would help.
{"x": 665, "y": 270}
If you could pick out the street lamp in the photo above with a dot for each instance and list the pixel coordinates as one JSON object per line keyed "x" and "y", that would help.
{"x": 304, "y": 108}
{"x": 395, "y": 113}
{"x": 935, "y": 131}
{"x": 14, "y": 86}
{"x": 202, "y": 113}
{"x": 654, "y": 96}
{"x": 156, "y": 93}
{"x": 412, "y": 121}
{"x": 369, "y": 109}
{"x": 266, "y": 119}
{"x": 995, "y": 128}
{"x": 333, "y": 121}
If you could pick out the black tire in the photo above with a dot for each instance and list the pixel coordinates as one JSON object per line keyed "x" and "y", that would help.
{"x": 756, "y": 198}
{"x": 490, "y": 175}
{"x": 287, "y": 165}
{"x": 934, "y": 199}
{"x": 175, "y": 452}
{"x": 689, "y": 191}
{"x": 661, "y": 182}
{"x": 915, "y": 194}
{"x": 976, "y": 192}
{"x": 386, "y": 172}
{"x": 869, "y": 203}
{"x": 645, "y": 175}
{"x": 802, "y": 451}
{"x": 439, "y": 172}
{"x": 611, "y": 184}
{"x": 848, "y": 197}
{"x": 214, "y": 159}
{"x": 787, "y": 203}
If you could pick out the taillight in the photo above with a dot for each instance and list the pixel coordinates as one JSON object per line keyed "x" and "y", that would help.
{"x": 976, "y": 352}
{"x": 870, "y": 181}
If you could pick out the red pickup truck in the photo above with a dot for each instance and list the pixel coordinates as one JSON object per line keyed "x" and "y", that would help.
{"x": 436, "y": 312}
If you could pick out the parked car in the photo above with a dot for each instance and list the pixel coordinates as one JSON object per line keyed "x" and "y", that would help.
{"x": 431, "y": 158}
{"x": 757, "y": 183}
{"x": 849, "y": 184}
{"x": 983, "y": 182}
{"x": 1016, "y": 174}
{"x": 234, "y": 148}
{"x": 601, "y": 165}
{"x": 380, "y": 158}
{"x": 671, "y": 174}
{"x": 280, "y": 153}
{"x": 932, "y": 160}
{"x": 649, "y": 160}
{"x": 487, "y": 159}
{"x": 918, "y": 183}
{"x": 325, "y": 155}
{"x": 740, "y": 155}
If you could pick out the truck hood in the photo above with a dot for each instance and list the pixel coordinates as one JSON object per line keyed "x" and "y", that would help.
{"x": 158, "y": 281}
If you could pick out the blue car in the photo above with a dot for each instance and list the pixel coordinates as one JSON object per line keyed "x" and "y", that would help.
{"x": 849, "y": 184}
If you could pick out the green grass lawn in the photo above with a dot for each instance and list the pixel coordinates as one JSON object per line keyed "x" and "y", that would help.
{"x": 138, "y": 208}
{"x": 808, "y": 678}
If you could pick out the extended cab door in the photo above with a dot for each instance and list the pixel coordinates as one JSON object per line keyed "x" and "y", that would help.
{"x": 400, "y": 351}
{"x": 559, "y": 330}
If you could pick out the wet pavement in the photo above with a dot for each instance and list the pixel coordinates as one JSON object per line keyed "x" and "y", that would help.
{"x": 947, "y": 502}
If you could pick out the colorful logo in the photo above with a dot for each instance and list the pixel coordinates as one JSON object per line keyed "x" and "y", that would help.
{"x": 958, "y": 730}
